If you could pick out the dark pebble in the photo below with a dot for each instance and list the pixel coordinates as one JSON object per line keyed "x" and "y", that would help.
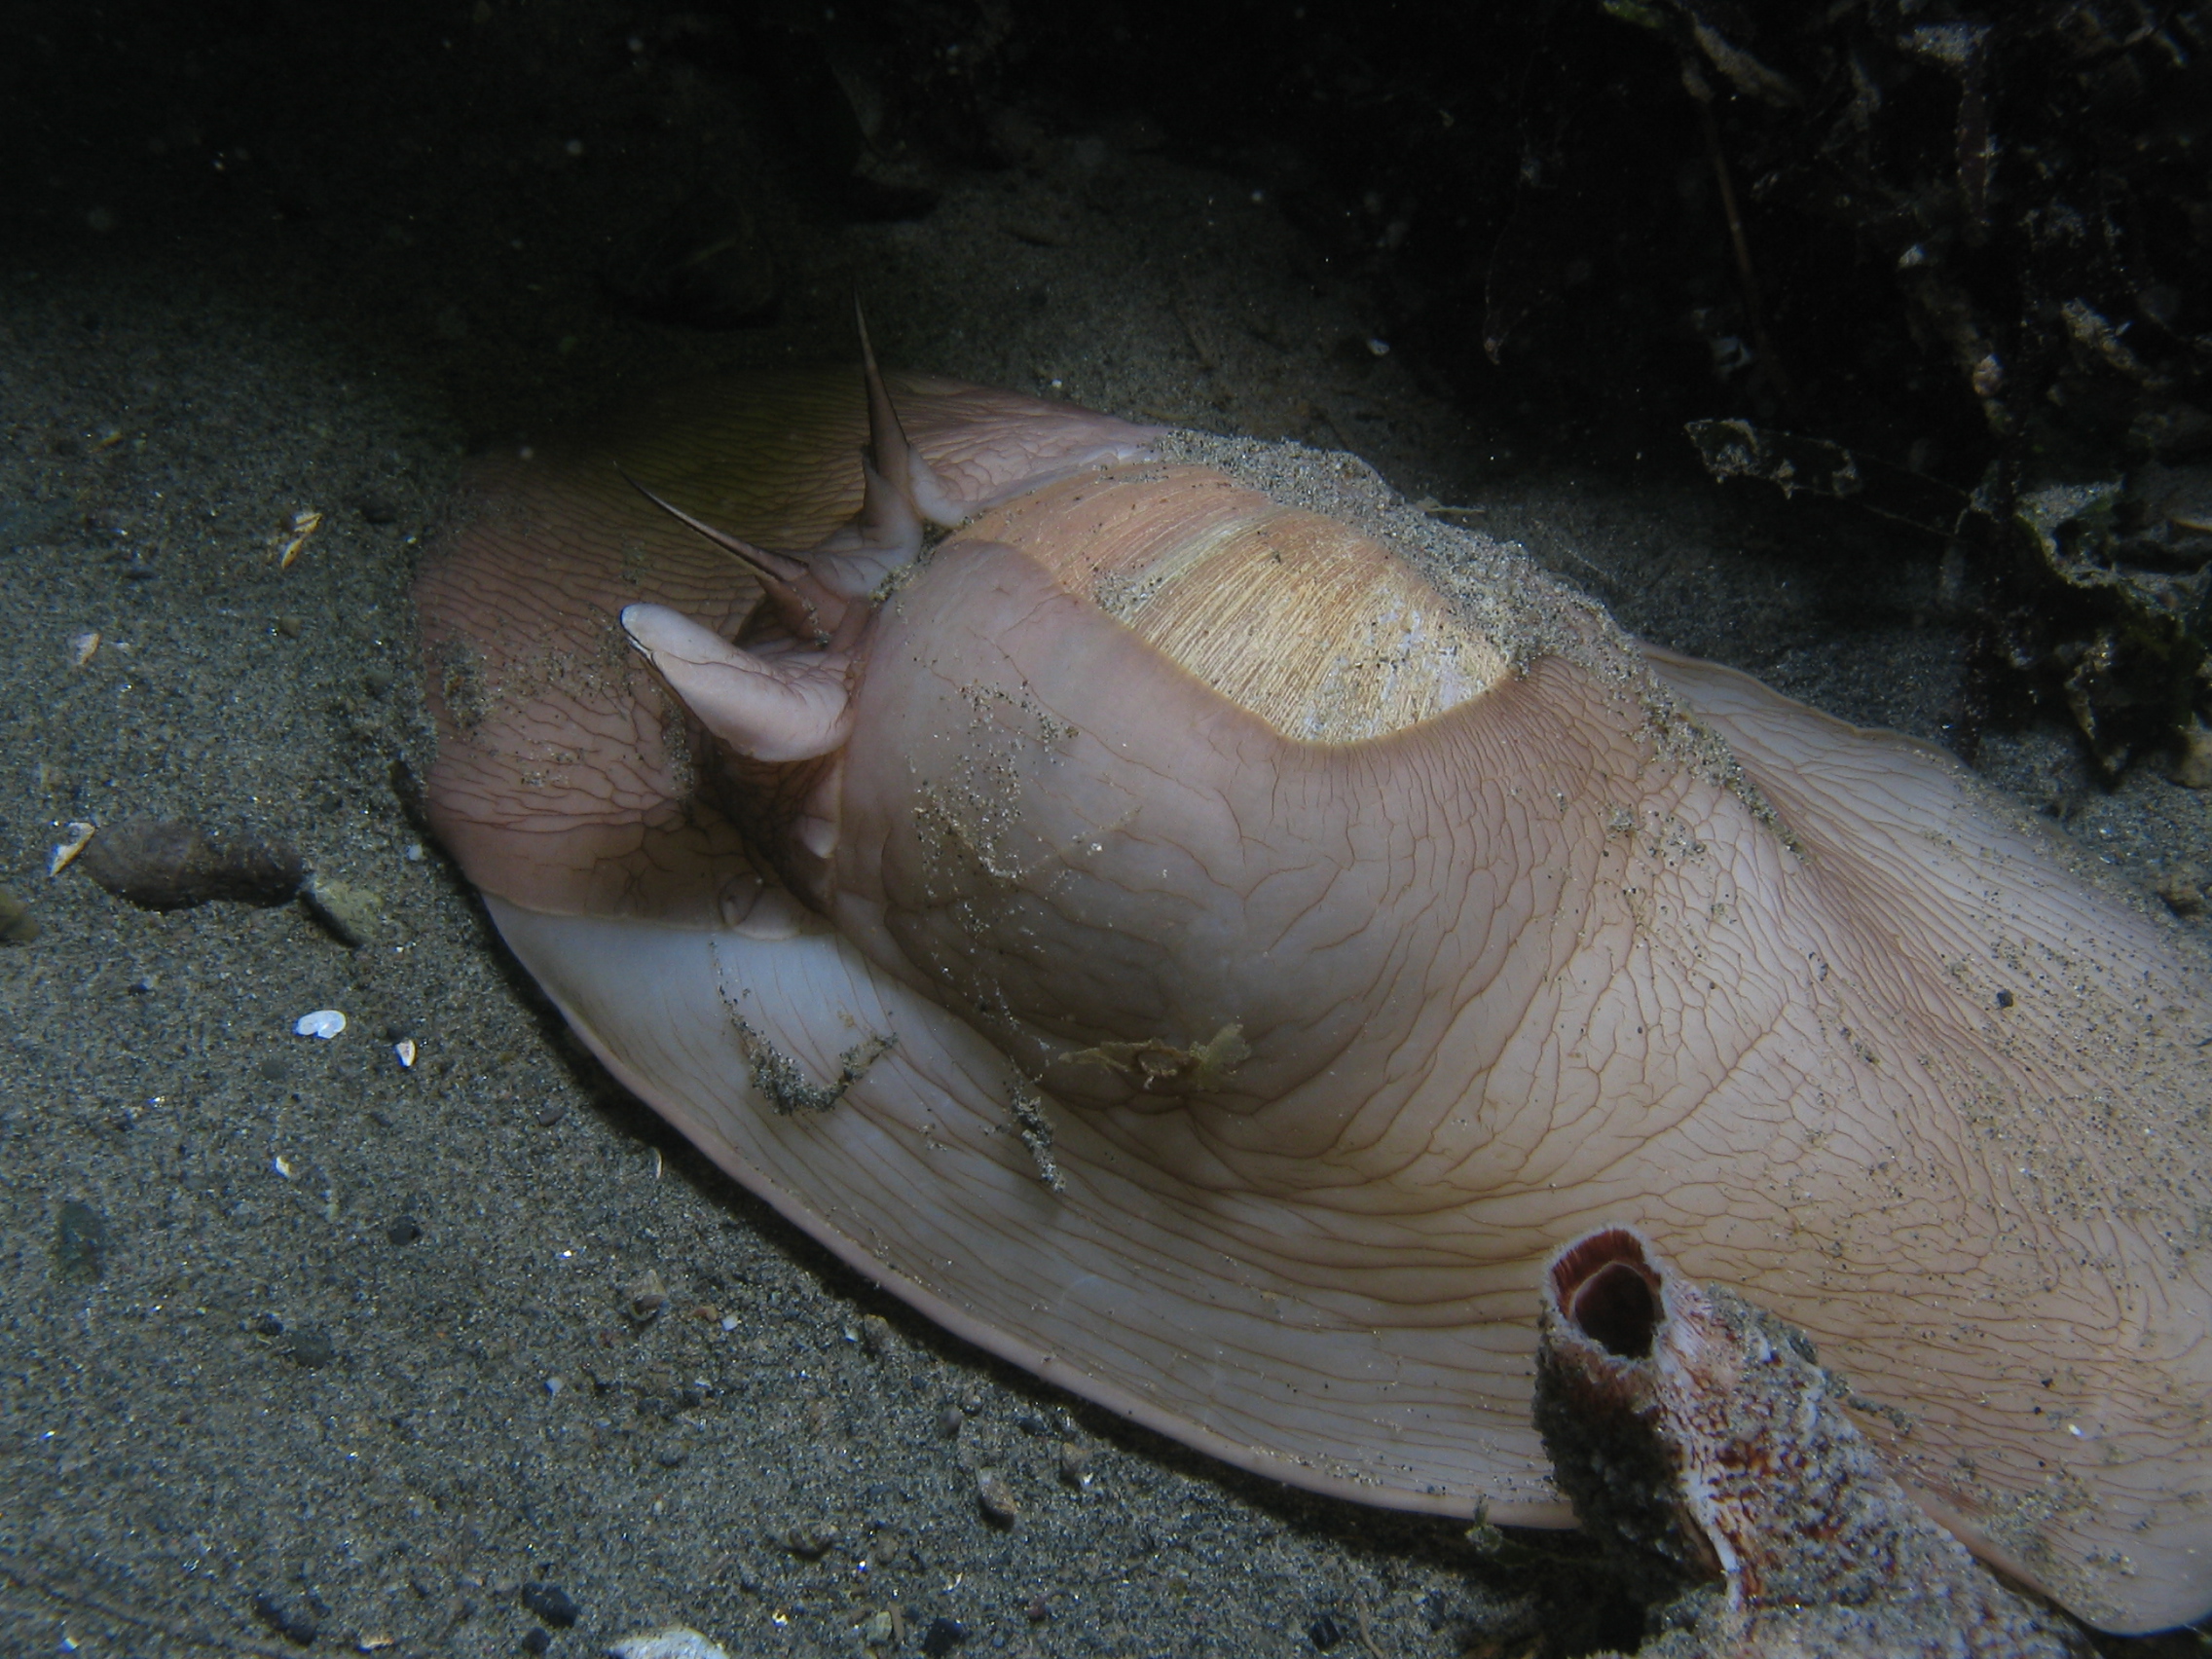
{"x": 268, "y": 1325}
{"x": 1325, "y": 1632}
{"x": 551, "y": 1113}
{"x": 293, "y": 1623}
{"x": 404, "y": 1229}
{"x": 18, "y": 926}
{"x": 274, "y": 1070}
{"x": 671, "y": 1456}
{"x": 537, "y": 1641}
{"x": 550, "y": 1602}
{"x": 160, "y": 864}
{"x": 80, "y": 1241}
{"x": 942, "y": 1637}
{"x": 311, "y": 1346}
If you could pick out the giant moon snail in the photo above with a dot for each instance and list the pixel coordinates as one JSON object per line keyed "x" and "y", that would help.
{"x": 1204, "y": 932}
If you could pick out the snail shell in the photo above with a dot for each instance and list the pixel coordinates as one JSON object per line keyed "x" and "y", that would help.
{"x": 1206, "y": 933}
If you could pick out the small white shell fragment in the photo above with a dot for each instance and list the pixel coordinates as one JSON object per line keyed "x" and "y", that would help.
{"x": 729, "y": 1321}
{"x": 305, "y": 522}
{"x": 678, "y": 1642}
{"x": 83, "y": 646}
{"x": 324, "y": 1022}
{"x": 65, "y": 853}
{"x": 283, "y": 1165}
{"x": 405, "y": 1050}
{"x": 554, "y": 1384}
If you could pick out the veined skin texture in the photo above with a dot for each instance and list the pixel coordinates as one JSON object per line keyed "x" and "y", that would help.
{"x": 1229, "y": 1032}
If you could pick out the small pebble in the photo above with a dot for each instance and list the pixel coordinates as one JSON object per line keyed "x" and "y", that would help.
{"x": 2183, "y": 887}
{"x": 324, "y": 1023}
{"x": 1037, "y": 1610}
{"x": 949, "y": 1422}
{"x": 811, "y": 1540}
{"x": 404, "y": 1229}
{"x": 80, "y": 1241}
{"x": 288, "y": 1620}
{"x": 996, "y": 1498}
{"x": 538, "y": 1640}
{"x": 942, "y": 1637}
{"x": 1075, "y": 1464}
{"x": 550, "y": 1602}
{"x": 310, "y": 1347}
{"x": 348, "y": 913}
{"x": 18, "y": 926}
{"x": 554, "y": 1384}
{"x": 876, "y": 1333}
{"x": 1325, "y": 1632}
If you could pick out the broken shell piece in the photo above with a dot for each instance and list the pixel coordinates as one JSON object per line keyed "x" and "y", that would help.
{"x": 305, "y": 522}
{"x": 678, "y": 1642}
{"x": 404, "y": 1052}
{"x": 1698, "y": 1439}
{"x": 66, "y": 852}
{"x": 324, "y": 1022}
{"x": 645, "y": 1297}
{"x": 81, "y": 647}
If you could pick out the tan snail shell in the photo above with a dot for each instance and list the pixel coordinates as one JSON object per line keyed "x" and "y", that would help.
{"x": 1206, "y": 933}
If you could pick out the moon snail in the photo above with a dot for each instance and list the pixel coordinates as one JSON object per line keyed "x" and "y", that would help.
{"x": 1206, "y": 933}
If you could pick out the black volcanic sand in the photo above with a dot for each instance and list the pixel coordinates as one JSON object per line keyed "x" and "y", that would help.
{"x": 297, "y": 1337}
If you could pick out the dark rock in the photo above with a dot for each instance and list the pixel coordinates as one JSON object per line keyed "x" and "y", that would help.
{"x": 1325, "y": 1632}
{"x": 537, "y": 1641}
{"x": 550, "y": 1602}
{"x": 18, "y": 926}
{"x": 294, "y": 1623}
{"x": 404, "y": 1229}
{"x": 942, "y": 1637}
{"x": 310, "y": 1347}
{"x": 160, "y": 864}
{"x": 80, "y": 1241}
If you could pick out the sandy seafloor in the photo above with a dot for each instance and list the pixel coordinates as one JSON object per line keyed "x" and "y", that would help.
{"x": 487, "y": 1417}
